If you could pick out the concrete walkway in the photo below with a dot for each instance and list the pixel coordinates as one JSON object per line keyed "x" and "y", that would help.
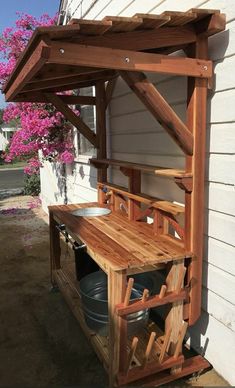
{"x": 41, "y": 343}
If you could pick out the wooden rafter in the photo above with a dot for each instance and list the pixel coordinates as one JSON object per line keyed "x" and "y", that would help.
{"x": 53, "y": 72}
{"x": 68, "y": 82}
{"x": 35, "y": 63}
{"x": 141, "y": 40}
{"x": 70, "y": 100}
{"x": 160, "y": 109}
{"x": 72, "y": 117}
{"x": 75, "y": 54}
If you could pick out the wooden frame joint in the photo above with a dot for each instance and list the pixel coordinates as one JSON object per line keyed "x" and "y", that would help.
{"x": 185, "y": 183}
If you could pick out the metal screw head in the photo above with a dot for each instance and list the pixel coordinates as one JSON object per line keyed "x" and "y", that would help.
{"x": 127, "y": 60}
{"x": 62, "y": 51}
{"x": 205, "y": 68}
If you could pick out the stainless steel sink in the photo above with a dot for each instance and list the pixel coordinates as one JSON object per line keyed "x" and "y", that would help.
{"x": 91, "y": 212}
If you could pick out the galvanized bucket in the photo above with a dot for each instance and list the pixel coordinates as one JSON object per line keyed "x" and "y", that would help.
{"x": 94, "y": 295}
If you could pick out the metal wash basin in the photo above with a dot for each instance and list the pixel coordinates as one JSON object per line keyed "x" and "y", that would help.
{"x": 91, "y": 212}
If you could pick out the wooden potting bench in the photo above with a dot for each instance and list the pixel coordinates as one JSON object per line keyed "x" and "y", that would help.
{"x": 86, "y": 53}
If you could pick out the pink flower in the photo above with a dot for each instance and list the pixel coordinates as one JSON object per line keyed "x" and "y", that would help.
{"x": 66, "y": 157}
{"x": 41, "y": 126}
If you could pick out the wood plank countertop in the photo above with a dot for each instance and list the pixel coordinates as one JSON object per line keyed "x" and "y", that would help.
{"x": 117, "y": 243}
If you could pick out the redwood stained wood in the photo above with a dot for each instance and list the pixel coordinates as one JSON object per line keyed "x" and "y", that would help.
{"x": 37, "y": 36}
{"x": 72, "y": 117}
{"x": 211, "y": 25}
{"x": 102, "y": 57}
{"x": 152, "y": 301}
{"x": 70, "y": 100}
{"x": 104, "y": 237}
{"x": 157, "y": 170}
{"x": 101, "y": 127}
{"x": 138, "y": 372}
{"x": 117, "y": 326}
{"x": 34, "y": 64}
{"x": 91, "y": 27}
{"x": 53, "y": 72}
{"x": 121, "y": 24}
{"x": 179, "y": 18}
{"x": 194, "y": 217}
{"x": 174, "y": 317}
{"x": 69, "y": 82}
{"x": 134, "y": 186}
{"x": 189, "y": 366}
{"x": 160, "y": 109}
{"x": 141, "y": 39}
{"x": 152, "y": 201}
{"x": 151, "y": 21}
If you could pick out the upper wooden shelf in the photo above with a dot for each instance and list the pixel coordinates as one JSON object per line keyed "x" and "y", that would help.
{"x": 161, "y": 171}
{"x": 117, "y": 243}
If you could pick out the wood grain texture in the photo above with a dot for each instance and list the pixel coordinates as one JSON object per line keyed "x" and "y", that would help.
{"x": 106, "y": 237}
{"x": 101, "y": 57}
{"x": 194, "y": 222}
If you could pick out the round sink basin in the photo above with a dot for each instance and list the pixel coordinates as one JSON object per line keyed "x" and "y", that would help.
{"x": 91, "y": 212}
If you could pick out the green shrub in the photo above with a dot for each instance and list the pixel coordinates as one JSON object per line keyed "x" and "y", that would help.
{"x": 32, "y": 184}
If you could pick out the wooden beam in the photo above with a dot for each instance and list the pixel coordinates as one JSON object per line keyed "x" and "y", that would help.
{"x": 211, "y": 25}
{"x": 71, "y": 100}
{"x": 101, "y": 57}
{"x": 53, "y": 72}
{"x": 194, "y": 202}
{"x": 141, "y": 40}
{"x": 101, "y": 127}
{"x": 151, "y": 302}
{"x": 72, "y": 117}
{"x": 160, "y": 109}
{"x": 68, "y": 82}
{"x": 33, "y": 65}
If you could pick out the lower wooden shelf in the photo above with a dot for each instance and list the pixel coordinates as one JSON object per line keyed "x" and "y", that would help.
{"x": 69, "y": 286}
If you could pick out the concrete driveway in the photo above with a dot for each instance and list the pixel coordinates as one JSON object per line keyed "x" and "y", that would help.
{"x": 11, "y": 178}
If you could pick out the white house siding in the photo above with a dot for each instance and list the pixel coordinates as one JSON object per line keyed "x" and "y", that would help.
{"x": 135, "y": 136}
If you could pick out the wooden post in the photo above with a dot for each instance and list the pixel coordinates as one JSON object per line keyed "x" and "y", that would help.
{"x": 174, "y": 318}
{"x": 55, "y": 250}
{"x": 134, "y": 186}
{"x": 194, "y": 201}
{"x": 117, "y": 325}
{"x": 101, "y": 128}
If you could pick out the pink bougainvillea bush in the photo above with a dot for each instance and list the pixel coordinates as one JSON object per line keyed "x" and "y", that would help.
{"x": 42, "y": 128}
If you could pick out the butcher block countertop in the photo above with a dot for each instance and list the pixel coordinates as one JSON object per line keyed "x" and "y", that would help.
{"x": 117, "y": 243}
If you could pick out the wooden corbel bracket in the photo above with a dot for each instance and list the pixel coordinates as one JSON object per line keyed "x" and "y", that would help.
{"x": 185, "y": 183}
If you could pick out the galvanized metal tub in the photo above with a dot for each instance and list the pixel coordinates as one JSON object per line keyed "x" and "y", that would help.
{"x": 91, "y": 212}
{"x": 94, "y": 295}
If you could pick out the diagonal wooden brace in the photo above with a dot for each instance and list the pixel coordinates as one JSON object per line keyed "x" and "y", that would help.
{"x": 72, "y": 117}
{"x": 160, "y": 109}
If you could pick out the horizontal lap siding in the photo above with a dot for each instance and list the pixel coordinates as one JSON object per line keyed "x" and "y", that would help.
{"x": 136, "y": 136}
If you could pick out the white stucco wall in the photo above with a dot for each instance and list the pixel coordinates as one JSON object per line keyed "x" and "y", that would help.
{"x": 135, "y": 136}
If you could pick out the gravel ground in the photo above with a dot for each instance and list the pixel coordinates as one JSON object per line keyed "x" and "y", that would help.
{"x": 41, "y": 343}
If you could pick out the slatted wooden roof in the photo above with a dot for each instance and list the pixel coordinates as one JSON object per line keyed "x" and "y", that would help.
{"x": 60, "y": 58}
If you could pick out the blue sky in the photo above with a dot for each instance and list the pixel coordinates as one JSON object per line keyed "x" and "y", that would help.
{"x": 33, "y": 7}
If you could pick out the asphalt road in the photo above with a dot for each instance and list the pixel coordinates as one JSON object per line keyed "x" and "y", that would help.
{"x": 11, "y": 179}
